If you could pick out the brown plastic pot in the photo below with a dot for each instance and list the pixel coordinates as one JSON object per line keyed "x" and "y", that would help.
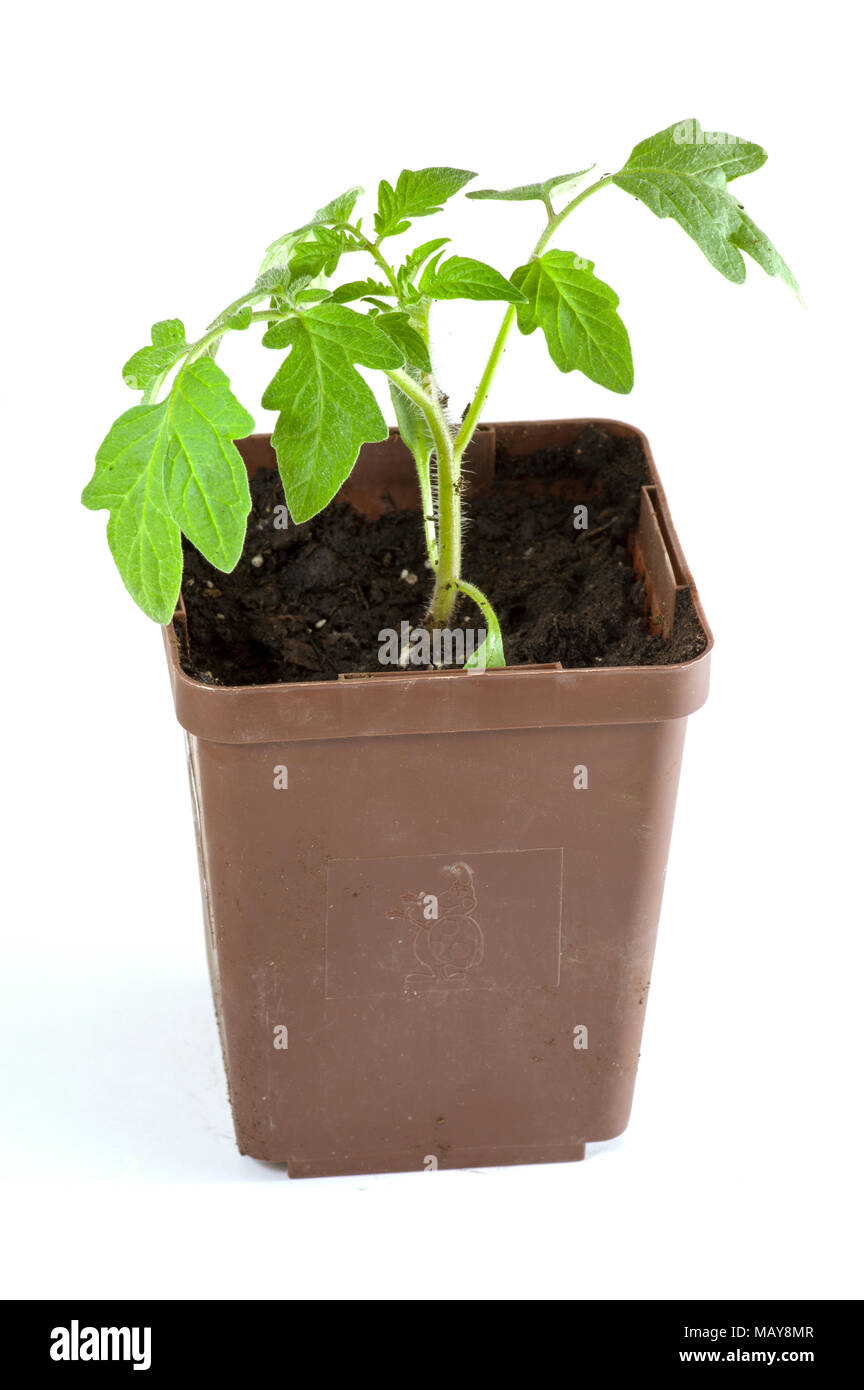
{"x": 434, "y": 947}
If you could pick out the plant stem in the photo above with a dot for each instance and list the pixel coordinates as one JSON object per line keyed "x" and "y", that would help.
{"x": 449, "y": 477}
{"x": 374, "y": 251}
{"x": 429, "y": 531}
{"x": 469, "y": 424}
{"x": 449, "y": 554}
{"x": 449, "y": 452}
{"x": 213, "y": 335}
{"x": 414, "y": 391}
{"x": 258, "y": 316}
{"x": 559, "y": 217}
{"x": 422, "y": 456}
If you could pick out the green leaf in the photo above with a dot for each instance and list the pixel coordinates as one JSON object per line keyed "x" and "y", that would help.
{"x": 408, "y": 292}
{"x": 357, "y": 289}
{"x": 418, "y": 193}
{"x": 169, "y": 466}
{"x": 358, "y": 336}
{"x": 378, "y": 303}
{"x": 397, "y": 325}
{"x": 143, "y": 536}
{"x": 205, "y": 478}
{"x": 490, "y": 653}
{"x": 148, "y": 365}
{"x": 312, "y": 260}
{"x": 319, "y": 256}
{"x": 526, "y": 192}
{"x": 339, "y": 209}
{"x": 327, "y": 411}
{"x": 749, "y": 238}
{"x": 241, "y": 320}
{"x": 168, "y": 339}
{"x": 276, "y": 279}
{"x": 237, "y": 315}
{"x": 278, "y": 253}
{"x": 577, "y": 313}
{"x": 460, "y": 277}
{"x": 413, "y": 425}
{"x": 167, "y": 332}
{"x": 313, "y": 296}
{"x": 682, "y": 173}
{"x": 420, "y": 254}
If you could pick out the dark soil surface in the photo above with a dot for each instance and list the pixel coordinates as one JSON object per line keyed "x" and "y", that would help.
{"x": 308, "y": 602}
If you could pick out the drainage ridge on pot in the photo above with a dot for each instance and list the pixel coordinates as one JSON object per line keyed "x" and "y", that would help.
{"x": 431, "y": 897}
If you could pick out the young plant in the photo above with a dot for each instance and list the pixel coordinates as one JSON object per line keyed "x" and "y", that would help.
{"x": 170, "y": 466}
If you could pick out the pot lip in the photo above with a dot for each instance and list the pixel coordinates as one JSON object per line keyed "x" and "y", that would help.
{"x": 621, "y": 427}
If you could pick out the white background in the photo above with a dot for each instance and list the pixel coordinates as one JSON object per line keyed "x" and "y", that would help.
{"x": 151, "y": 154}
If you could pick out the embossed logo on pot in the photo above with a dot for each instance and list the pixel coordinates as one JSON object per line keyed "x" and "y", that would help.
{"x": 448, "y": 939}
{"x": 423, "y": 924}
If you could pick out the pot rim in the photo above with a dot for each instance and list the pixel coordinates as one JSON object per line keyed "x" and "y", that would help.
{"x": 605, "y": 694}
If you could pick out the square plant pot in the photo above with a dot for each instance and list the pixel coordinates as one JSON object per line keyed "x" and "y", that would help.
{"x": 431, "y": 898}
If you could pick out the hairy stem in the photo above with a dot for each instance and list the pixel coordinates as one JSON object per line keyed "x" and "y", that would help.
{"x": 446, "y": 555}
{"x": 430, "y": 533}
{"x": 449, "y": 473}
{"x": 414, "y": 391}
{"x": 449, "y": 451}
{"x": 420, "y": 321}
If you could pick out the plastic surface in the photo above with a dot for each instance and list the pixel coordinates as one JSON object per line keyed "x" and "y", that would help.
{"x": 431, "y": 899}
